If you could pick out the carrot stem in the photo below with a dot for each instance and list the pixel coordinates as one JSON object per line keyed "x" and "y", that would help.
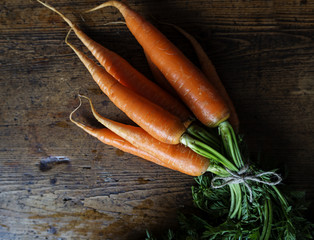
{"x": 206, "y": 151}
{"x": 230, "y": 142}
{"x": 204, "y": 135}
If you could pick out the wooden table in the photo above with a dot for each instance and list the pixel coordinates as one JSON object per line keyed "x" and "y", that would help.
{"x": 263, "y": 52}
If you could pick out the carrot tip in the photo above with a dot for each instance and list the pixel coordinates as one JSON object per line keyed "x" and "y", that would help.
{"x": 115, "y": 23}
{"x": 106, "y": 4}
{"x": 71, "y": 114}
{"x": 83, "y": 96}
{"x": 80, "y": 104}
{"x": 67, "y": 36}
{"x": 68, "y": 21}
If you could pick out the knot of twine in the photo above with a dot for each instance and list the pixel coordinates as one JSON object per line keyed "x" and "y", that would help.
{"x": 242, "y": 176}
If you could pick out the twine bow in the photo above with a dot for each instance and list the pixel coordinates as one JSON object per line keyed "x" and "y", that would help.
{"x": 242, "y": 176}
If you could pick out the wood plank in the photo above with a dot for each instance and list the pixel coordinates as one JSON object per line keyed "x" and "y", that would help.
{"x": 263, "y": 51}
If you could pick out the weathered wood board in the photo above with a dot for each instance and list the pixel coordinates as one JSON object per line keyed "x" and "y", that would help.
{"x": 263, "y": 51}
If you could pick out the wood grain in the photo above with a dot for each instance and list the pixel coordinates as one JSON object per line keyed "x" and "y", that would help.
{"x": 263, "y": 51}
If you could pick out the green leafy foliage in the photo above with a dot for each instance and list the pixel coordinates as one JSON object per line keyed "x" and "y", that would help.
{"x": 210, "y": 220}
{"x": 240, "y": 209}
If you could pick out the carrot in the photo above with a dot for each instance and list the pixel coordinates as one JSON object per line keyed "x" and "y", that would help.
{"x": 211, "y": 73}
{"x": 189, "y": 82}
{"x": 176, "y": 157}
{"x": 152, "y": 118}
{"x": 110, "y": 138}
{"x": 159, "y": 77}
{"x": 127, "y": 75}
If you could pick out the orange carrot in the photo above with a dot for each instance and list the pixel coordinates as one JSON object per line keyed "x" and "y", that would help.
{"x": 127, "y": 75}
{"x": 211, "y": 73}
{"x": 189, "y": 82}
{"x": 176, "y": 157}
{"x": 110, "y": 138}
{"x": 159, "y": 77}
{"x": 152, "y": 118}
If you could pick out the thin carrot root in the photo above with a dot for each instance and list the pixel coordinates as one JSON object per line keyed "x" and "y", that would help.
{"x": 67, "y": 36}
{"x": 114, "y": 23}
{"x": 110, "y": 138}
{"x": 176, "y": 157}
{"x": 59, "y": 13}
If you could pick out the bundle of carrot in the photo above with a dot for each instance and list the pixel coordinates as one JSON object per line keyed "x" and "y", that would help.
{"x": 193, "y": 138}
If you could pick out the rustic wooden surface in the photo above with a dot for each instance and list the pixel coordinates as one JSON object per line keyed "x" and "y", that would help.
{"x": 263, "y": 51}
